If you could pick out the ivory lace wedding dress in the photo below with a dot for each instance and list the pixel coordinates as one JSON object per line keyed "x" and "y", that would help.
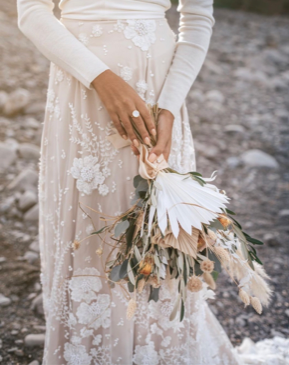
{"x": 86, "y": 323}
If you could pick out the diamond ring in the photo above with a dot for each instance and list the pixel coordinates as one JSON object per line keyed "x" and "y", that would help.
{"x": 135, "y": 113}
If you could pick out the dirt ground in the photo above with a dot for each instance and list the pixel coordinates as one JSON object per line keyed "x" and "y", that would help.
{"x": 239, "y": 111}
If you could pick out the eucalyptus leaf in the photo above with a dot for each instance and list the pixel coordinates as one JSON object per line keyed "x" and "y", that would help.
{"x": 137, "y": 253}
{"x": 115, "y": 274}
{"x": 120, "y": 228}
{"x": 157, "y": 261}
{"x": 176, "y": 308}
{"x": 216, "y": 224}
{"x": 123, "y": 269}
{"x": 99, "y": 231}
{"x": 130, "y": 273}
{"x": 182, "y": 313}
{"x": 130, "y": 287}
{"x": 154, "y": 294}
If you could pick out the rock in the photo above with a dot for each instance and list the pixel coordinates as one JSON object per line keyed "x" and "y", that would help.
{"x": 19, "y": 352}
{"x": 287, "y": 312}
{"x": 26, "y": 180}
{"x": 35, "y": 340}
{"x": 16, "y": 102}
{"x": 3, "y": 98}
{"x": 7, "y": 204}
{"x": 2, "y": 259}
{"x": 35, "y": 362}
{"x": 35, "y": 108}
{"x": 284, "y": 213}
{"x": 32, "y": 215}
{"x": 234, "y": 128}
{"x": 8, "y": 156}
{"x": 247, "y": 75}
{"x": 271, "y": 239}
{"x": 4, "y": 301}
{"x": 34, "y": 246}
{"x": 32, "y": 123}
{"x": 197, "y": 95}
{"x": 27, "y": 200}
{"x": 12, "y": 143}
{"x": 37, "y": 304}
{"x": 31, "y": 256}
{"x": 258, "y": 158}
{"x": 29, "y": 151}
{"x": 233, "y": 162}
{"x": 216, "y": 96}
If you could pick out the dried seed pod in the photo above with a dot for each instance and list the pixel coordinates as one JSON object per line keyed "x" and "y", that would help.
{"x": 207, "y": 266}
{"x": 194, "y": 284}
{"x": 76, "y": 245}
{"x": 140, "y": 285}
{"x": 224, "y": 220}
{"x": 244, "y": 297}
{"x": 255, "y": 302}
{"x": 131, "y": 308}
{"x": 99, "y": 251}
{"x": 222, "y": 254}
{"x": 212, "y": 235}
{"x": 145, "y": 268}
{"x": 201, "y": 243}
{"x": 209, "y": 280}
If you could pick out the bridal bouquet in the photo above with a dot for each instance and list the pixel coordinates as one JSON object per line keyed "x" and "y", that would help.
{"x": 179, "y": 229}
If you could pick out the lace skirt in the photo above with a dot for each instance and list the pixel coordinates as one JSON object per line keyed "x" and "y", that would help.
{"x": 86, "y": 321}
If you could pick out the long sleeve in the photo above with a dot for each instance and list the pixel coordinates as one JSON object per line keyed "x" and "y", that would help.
{"x": 37, "y": 22}
{"x": 195, "y": 29}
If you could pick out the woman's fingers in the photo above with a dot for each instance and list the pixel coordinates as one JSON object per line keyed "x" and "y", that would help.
{"x": 134, "y": 150}
{"x": 128, "y": 128}
{"x": 150, "y": 126}
{"x": 118, "y": 126}
{"x": 141, "y": 128}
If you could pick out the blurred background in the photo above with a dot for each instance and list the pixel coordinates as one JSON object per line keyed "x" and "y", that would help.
{"x": 239, "y": 112}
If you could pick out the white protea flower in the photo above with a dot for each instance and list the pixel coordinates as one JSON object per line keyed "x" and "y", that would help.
{"x": 185, "y": 203}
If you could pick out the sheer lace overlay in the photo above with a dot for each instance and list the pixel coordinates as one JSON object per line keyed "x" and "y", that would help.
{"x": 86, "y": 321}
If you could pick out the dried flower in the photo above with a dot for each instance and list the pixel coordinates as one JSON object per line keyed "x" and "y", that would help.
{"x": 99, "y": 251}
{"x": 224, "y": 220}
{"x": 256, "y": 304}
{"x": 244, "y": 297}
{"x": 194, "y": 284}
{"x": 201, "y": 243}
{"x": 138, "y": 224}
{"x": 131, "y": 308}
{"x": 140, "y": 285}
{"x": 209, "y": 280}
{"x": 222, "y": 253}
{"x": 146, "y": 265}
{"x": 212, "y": 235}
{"x": 207, "y": 266}
{"x": 76, "y": 245}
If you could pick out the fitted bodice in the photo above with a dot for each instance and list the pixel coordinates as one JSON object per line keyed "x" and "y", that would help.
{"x": 113, "y": 9}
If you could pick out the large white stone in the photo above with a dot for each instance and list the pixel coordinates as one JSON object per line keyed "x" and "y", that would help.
{"x": 216, "y": 96}
{"x": 27, "y": 200}
{"x": 7, "y": 156}
{"x": 32, "y": 215}
{"x": 4, "y": 301}
{"x": 29, "y": 151}
{"x": 258, "y": 158}
{"x": 35, "y": 340}
{"x": 16, "y": 102}
{"x": 31, "y": 256}
{"x": 35, "y": 362}
{"x": 26, "y": 180}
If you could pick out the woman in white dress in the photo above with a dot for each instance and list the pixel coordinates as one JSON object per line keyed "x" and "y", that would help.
{"x": 110, "y": 58}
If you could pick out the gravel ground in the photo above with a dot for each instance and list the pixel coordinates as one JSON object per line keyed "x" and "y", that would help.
{"x": 239, "y": 110}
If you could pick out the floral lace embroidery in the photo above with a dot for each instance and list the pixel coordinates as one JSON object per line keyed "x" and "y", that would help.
{"x": 96, "y": 31}
{"x": 141, "y": 88}
{"x": 141, "y": 32}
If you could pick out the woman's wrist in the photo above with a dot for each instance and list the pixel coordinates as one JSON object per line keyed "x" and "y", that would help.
{"x": 167, "y": 114}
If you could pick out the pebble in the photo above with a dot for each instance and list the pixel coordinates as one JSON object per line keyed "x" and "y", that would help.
{"x": 8, "y": 156}
{"x": 32, "y": 215}
{"x": 29, "y": 151}
{"x": 234, "y": 128}
{"x": 233, "y": 162}
{"x": 35, "y": 340}
{"x": 283, "y": 213}
{"x": 16, "y": 102}
{"x": 271, "y": 239}
{"x": 27, "y": 200}
{"x": 35, "y": 362}
{"x": 258, "y": 158}
{"x": 31, "y": 256}
{"x": 216, "y": 96}
{"x": 37, "y": 304}
{"x": 197, "y": 95}
{"x": 26, "y": 180}
{"x": 2, "y": 259}
{"x": 34, "y": 246}
{"x": 4, "y": 301}
{"x": 3, "y": 98}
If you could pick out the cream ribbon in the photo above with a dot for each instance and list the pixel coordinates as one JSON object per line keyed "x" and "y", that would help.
{"x": 148, "y": 170}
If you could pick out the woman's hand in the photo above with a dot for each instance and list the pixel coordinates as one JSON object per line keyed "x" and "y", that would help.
{"x": 164, "y": 137}
{"x": 120, "y": 100}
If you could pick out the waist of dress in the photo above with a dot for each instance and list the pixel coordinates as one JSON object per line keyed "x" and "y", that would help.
{"x": 92, "y": 11}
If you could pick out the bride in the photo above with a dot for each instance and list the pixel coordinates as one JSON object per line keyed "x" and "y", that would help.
{"x": 109, "y": 58}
